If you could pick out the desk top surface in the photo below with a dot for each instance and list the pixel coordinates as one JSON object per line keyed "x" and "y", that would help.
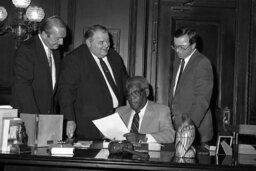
{"x": 98, "y": 156}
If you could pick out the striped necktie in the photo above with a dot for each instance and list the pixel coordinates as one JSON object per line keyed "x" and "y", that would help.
{"x": 135, "y": 123}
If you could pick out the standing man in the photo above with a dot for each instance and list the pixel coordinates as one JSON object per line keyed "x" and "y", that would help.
{"x": 91, "y": 84}
{"x": 36, "y": 69}
{"x": 146, "y": 120}
{"x": 192, "y": 84}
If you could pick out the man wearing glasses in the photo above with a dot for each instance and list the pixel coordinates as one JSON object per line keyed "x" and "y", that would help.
{"x": 146, "y": 120}
{"x": 191, "y": 86}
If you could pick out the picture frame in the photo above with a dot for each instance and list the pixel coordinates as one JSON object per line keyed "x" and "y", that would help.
{"x": 224, "y": 145}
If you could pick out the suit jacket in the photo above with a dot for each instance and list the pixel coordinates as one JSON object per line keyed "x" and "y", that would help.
{"x": 156, "y": 121}
{"x": 193, "y": 95}
{"x": 83, "y": 92}
{"x": 32, "y": 90}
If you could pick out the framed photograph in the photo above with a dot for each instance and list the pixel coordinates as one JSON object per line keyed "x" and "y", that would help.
{"x": 224, "y": 144}
{"x": 114, "y": 37}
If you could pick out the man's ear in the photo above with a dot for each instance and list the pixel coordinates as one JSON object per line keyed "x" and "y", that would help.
{"x": 147, "y": 91}
{"x": 193, "y": 46}
{"x": 43, "y": 34}
{"x": 88, "y": 43}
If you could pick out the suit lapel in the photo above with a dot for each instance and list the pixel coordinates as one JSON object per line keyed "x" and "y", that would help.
{"x": 126, "y": 115}
{"x": 147, "y": 119}
{"x": 94, "y": 68}
{"x": 43, "y": 59}
{"x": 187, "y": 69}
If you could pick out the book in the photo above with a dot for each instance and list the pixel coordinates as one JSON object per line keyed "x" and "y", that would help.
{"x": 246, "y": 149}
{"x": 43, "y": 129}
{"x": 6, "y": 113}
{"x": 62, "y": 150}
{"x": 151, "y": 146}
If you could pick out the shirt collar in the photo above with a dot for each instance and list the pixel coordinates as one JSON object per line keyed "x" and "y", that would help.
{"x": 189, "y": 56}
{"x": 44, "y": 45}
{"x": 97, "y": 58}
{"x": 142, "y": 111}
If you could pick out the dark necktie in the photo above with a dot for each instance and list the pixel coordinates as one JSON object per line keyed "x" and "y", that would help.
{"x": 135, "y": 123}
{"x": 109, "y": 77}
{"x": 182, "y": 63}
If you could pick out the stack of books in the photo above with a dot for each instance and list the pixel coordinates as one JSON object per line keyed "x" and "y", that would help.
{"x": 246, "y": 149}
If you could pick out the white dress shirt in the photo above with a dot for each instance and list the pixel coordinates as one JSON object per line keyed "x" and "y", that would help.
{"x": 105, "y": 59}
{"x": 150, "y": 138}
{"x": 49, "y": 55}
{"x": 177, "y": 75}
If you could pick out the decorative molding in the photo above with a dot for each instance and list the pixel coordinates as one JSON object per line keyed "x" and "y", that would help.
{"x": 154, "y": 62}
{"x": 72, "y": 20}
{"x": 132, "y": 37}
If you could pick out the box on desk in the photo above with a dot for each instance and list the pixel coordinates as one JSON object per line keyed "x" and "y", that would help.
{"x": 43, "y": 129}
{"x": 147, "y": 146}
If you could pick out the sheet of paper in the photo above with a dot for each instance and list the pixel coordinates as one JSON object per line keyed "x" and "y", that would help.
{"x": 112, "y": 127}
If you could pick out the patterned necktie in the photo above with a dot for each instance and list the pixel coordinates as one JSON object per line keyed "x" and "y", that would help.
{"x": 109, "y": 77}
{"x": 182, "y": 63}
{"x": 135, "y": 123}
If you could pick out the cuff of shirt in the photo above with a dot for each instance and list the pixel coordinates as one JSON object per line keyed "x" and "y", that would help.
{"x": 150, "y": 138}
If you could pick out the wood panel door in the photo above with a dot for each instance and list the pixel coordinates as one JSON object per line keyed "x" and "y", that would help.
{"x": 217, "y": 28}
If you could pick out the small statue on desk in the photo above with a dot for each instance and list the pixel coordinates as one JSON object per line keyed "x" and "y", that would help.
{"x": 184, "y": 139}
{"x": 124, "y": 147}
{"x": 18, "y": 137}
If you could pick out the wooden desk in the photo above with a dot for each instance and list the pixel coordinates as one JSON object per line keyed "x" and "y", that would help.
{"x": 99, "y": 159}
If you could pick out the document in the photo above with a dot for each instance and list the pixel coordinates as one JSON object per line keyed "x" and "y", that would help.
{"x": 112, "y": 127}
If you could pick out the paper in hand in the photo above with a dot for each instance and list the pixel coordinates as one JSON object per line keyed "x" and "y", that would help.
{"x": 112, "y": 127}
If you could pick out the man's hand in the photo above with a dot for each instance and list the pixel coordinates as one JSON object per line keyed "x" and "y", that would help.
{"x": 71, "y": 127}
{"x": 135, "y": 137}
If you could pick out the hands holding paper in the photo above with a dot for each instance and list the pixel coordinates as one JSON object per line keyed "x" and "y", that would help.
{"x": 135, "y": 137}
{"x": 70, "y": 130}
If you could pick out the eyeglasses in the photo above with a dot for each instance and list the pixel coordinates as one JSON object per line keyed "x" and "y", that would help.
{"x": 180, "y": 47}
{"x": 135, "y": 93}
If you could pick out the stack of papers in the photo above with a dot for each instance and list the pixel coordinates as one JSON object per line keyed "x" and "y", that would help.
{"x": 62, "y": 150}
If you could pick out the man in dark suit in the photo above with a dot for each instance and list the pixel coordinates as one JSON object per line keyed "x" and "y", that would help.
{"x": 192, "y": 84}
{"x": 36, "y": 69}
{"x": 91, "y": 83}
{"x": 154, "y": 123}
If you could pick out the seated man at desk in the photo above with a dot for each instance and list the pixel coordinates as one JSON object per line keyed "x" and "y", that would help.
{"x": 146, "y": 120}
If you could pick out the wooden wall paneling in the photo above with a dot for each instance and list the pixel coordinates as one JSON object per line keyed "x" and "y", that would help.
{"x": 7, "y": 49}
{"x": 51, "y": 7}
{"x": 242, "y": 62}
{"x": 110, "y": 13}
{"x": 151, "y": 47}
{"x": 252, "y": 69}
{"x": 141, "y": 38}
{"x": 132, "y": 37}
